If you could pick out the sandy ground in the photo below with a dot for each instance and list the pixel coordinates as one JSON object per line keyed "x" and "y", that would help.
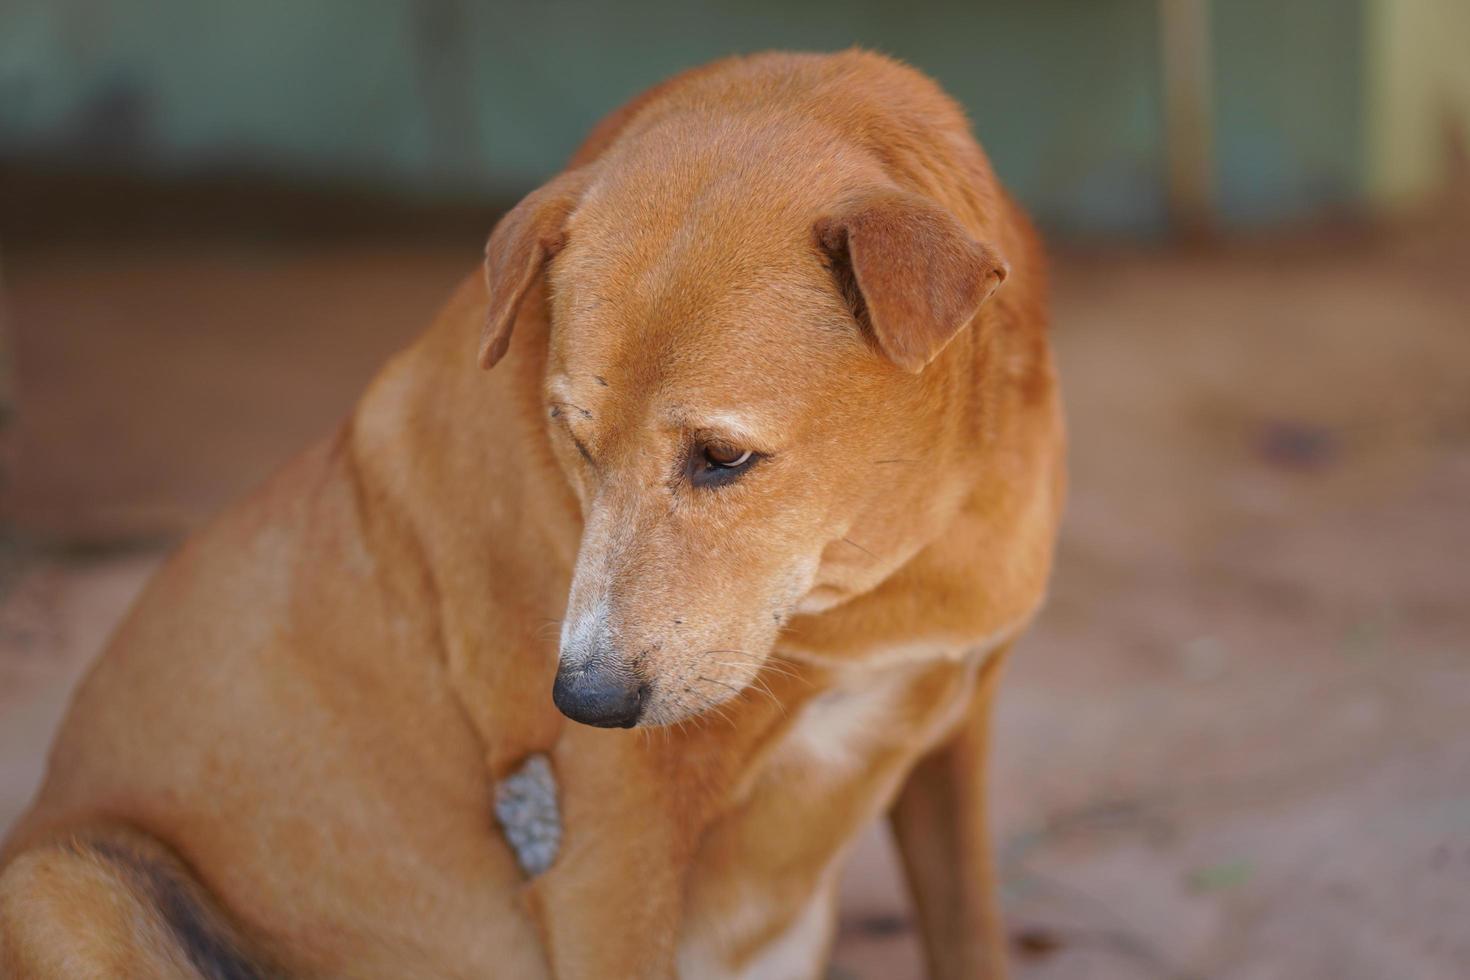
{"x": 1236, "y": 746}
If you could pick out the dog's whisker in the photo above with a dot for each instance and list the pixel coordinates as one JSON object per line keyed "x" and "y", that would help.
{"x": 728, "y": 687}
{"x": 765, "y": 688}
{"x": 736, "y": 666}
{"x": 712, "y": 707}
{"x": 750, "y": 659}
{"x": 740, "y": 691}
{"x": 758, "y": 686}
{"x": 756, "y": 678}
{"x": 781, "y": 669}
{"x": 785, "y": 667}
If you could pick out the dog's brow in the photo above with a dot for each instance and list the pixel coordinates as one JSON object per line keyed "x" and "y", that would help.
{"x": 731, "y": 424}
{"x": 560, "y": 397}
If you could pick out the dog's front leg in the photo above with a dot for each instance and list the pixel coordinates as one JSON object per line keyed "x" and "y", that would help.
{"x": 939, "y": 821}
{"x": 610, "y": 904}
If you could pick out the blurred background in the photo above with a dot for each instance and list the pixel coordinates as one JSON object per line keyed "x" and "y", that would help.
{"x": 1237, "y": 745}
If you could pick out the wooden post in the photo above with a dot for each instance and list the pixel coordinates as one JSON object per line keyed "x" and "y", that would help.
{"x": 1185, "y": 56}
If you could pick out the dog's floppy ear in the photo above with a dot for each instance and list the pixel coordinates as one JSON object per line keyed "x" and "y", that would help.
{"x": 530, "y": 234}
{"x": 910, "y": 273}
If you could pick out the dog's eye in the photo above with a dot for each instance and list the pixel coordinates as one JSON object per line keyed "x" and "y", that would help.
{"x": 726, "y": 457}
{"x": 713, "y": 464}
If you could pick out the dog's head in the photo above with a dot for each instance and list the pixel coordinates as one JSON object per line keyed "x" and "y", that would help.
{"x": 736, "y": 391}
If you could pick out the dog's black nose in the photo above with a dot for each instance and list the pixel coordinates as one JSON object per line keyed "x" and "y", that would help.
{"x": 599, "y": 695}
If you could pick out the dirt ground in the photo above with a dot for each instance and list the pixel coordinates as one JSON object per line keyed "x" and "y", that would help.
{"x": 1237, "y": 744}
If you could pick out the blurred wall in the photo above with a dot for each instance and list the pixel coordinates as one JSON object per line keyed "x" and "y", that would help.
{"x": 450, "y": 98}
{"x": 447, "y": 96}
{"x": 1288, "y": 108}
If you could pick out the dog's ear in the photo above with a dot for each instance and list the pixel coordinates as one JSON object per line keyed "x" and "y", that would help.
{"x": 519, "y": 247}
{"x": 910, "y": 273}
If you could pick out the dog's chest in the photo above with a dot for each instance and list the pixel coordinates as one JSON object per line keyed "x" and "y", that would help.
{"x": 869, "y": 722}
{"x": 761, "y": 900}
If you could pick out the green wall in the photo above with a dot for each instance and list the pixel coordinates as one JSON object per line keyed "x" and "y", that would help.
{"x": 1290, "y": 107}
{"x": 444, "y": 97}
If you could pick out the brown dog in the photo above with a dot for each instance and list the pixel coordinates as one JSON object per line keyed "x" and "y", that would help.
{"x": 764, "y": 439}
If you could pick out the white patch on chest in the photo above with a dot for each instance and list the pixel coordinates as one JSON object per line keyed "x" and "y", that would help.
{"x": 838, "y": 729}
{"x": 526, "y": 807}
